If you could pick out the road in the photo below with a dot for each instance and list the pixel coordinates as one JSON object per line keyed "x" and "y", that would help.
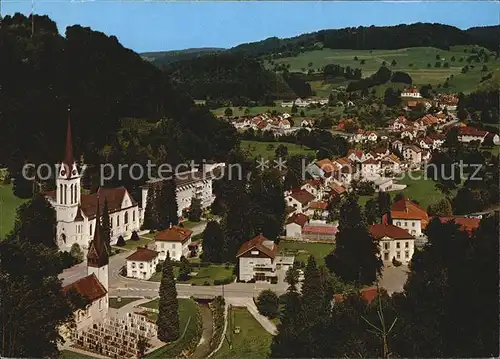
{"x": 129, "y": 287}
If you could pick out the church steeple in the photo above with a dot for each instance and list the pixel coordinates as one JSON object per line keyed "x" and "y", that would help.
{"x": 98, "y": 254}
{"x": 68, "y": 153}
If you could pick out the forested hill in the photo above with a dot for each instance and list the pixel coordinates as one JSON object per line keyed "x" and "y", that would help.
{"x": 161, "y": 58}
{"x": 228, "y": 76}
{"x": 376, "y": 37}
{"x": 103, "y": 82}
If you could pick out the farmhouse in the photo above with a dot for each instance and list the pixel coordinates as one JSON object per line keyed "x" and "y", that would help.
{"x": 370, "y": 168}
{"x": 294, "y": 225}
{"x": 412, "y": 153}
{"x": 394, "y": 242}
{"x": 468, "y": 134}
{"x": 258, "y": 260}
{"x": 175, "y": 240}
{"x": 299, "y": 199}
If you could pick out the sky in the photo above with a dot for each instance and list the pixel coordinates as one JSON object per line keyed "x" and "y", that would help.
{"x": 161, "y": 26}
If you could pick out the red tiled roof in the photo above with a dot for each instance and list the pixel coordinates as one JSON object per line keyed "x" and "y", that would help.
{"x": 466, "y": 224}
{"x": 379, "y": 231}
{"x": 368, "y": 294}
{"x": 326, "y": 165}
{"x": 319, "y": 229}
{"x": 357, "y": 153}
{"x": 412, "y": 103}
{"x": 258, "y": 243}
{"x": 343, "y": 161}
{"x": 88, "y": 286}
{"x": 411, "y": 90}
{"x": 318, "y": 205}
{"x": 370, "y": 161}
{"x": 405, "y": 209}
{"x": 302, "y": 196}
{"x": 471, "y": 131}
{"x": 174, "y": 234}
{"x": 142, "y": 255}
{"x": 298, "y": 218}
{"x": 413, "y": 148}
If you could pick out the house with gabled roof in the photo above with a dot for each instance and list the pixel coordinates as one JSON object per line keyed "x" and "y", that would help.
{"x": 294, "y": 225}
{"x": 394, "y": 243}
{"x": 259, "y": 260}
{"x": 467, "y": 134}
{"x": 370, "y": 167}
{"x": 409, "y": 216}
{"x": 412, "y": 154}
{"x": 175, "y": 241}
{"x": 142, "y": 263}
{"x": 299, "y": 199}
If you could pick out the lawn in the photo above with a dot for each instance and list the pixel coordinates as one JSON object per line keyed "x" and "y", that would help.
{"x": 8, "y": 207}
{"x": 134, "y": 244}
{"x": 266, "y": 149}
{"x": 251, "y": 342}
{"x": 302, "y": 250}
{"x": 188, "y": 320}
{"x": 204, "y": 274}
{"x": 190, "y": 224}
{"x": 113, "y": 302}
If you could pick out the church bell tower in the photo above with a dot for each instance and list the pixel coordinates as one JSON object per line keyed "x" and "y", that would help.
{"x": 97, "y": 256}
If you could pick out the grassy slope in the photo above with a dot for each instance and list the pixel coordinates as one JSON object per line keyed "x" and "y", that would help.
{"x": 419, "y": 57}
{"x": 259, "y": 149}
{"x": 8, "y": 206}
{"x": 205, "y": 274}
{"x": 252, "y": 341}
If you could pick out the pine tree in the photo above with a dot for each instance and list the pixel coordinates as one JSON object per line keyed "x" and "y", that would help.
{"x": 150, "y": 213}
{"x": 168, "y": 306}
{"x": 355, "y": 256}
{"x": 166, "y": 204}
{"x": 195, "y": 210}
{"x": 214, "y": 247}
{"x": 22, "y": 187}
{"x": 105, "y": 226}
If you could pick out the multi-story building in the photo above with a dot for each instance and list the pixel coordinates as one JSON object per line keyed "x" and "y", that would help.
{"x": 409, "y": 216}
{"x": 394, "y": 242}
{"x": 175, "y": 240}
{"x": 142, "y": 263}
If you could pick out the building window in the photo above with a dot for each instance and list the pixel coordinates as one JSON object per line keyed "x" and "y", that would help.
{"x": 133, "y": 216}
{"x": 125, "y": 220}
{"x": 386, "y": 256}
{"x": 398, "y": 224}
{"x": 407, "y": 245}
{"x": 413, "y": 232}
{"x": 90, "y": 229}
{"x": 65, "y": 194}
{"x": 100, "y": 304}
{"x": 173, "y": 254}
{"x": 133, "y": 265}
{"x": 118, "y": 221}
{"x": 407, "y": 254}
{"x": 141, "y": 265}
{"x": 173, "y": 245}
{"x": 397, "y": 245}
{"x": 386, "y": 245}
{"x": 398, "y": 254}
{"x": 413, "y": 224}
{"x": 111, "y": 222}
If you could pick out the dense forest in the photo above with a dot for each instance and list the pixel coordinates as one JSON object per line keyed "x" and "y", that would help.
{"x": 228, "y": 76}
{"x": 44, "y": 73}
{"x": 161, "y": 58}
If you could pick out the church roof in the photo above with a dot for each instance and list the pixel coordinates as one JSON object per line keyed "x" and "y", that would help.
{"x": 114, "y": 196}
{"x": 88, "y": 286}
{"x": 69, "y": 159}
{"x": 97, "y": 255}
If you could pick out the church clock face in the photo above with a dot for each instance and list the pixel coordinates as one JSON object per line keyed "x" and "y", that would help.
{"x": 63, "y": 172}
{"x": 73, "y": 173}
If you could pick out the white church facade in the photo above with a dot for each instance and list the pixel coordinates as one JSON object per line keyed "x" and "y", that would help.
{"x": 76, "y": 212}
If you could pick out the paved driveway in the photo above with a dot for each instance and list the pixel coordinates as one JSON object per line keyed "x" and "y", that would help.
{"x": 394, "y": 278}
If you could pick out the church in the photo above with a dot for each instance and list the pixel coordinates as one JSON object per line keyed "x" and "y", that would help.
{"x": 76, "y": 212}
{"x": 94, "y": 286}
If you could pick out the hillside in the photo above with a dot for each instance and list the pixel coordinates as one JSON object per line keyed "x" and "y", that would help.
{"x": 161, "y": 58}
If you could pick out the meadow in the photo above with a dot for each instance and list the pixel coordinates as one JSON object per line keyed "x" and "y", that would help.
{"x": 267, "y": 149}
{"x": 414, "y": 61}
{"x": 8, "y": 207}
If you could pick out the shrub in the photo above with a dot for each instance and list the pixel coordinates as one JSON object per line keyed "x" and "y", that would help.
{"x": 134, "y": 236}
{"x": 217, "y": 306}
{"x": 227, "y": 280}
{"x": 395, "y": 262}
{"x": 120, "y": 242}
{"x": 268, "y": 303}
{"x": 76, "y": 253}
{"x": 67, "y": 260}
{"x": 206, "y": 282}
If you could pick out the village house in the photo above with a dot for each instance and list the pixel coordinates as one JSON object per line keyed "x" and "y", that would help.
{"x": 437, "y": 139}
{"x": 370, "y": 168}
{"x": 398, "y": 124}
{"x": 397, "y": 144}
{"x": 394, "y": 243}
{"x": 382, "y": 184}
{"x": 142, "y": 263}
{"x": 76, "y": 212}
{"x": 466, "y": 224}
{"x": 299, "y": 199}
{"x": 317, "y": 208}
{"x": 379, "y": 153}
{"x": 411, "y": 92}
{"x": 426, "y": 143}
{"x": 294, "y": 225}
{"x": 94, "y": 286}
{"x": 409, "y": 132}
{"x": 426, "y": 121}
{"x": 315, "y": 187}
{"x": 409, "y": 216}
{"x": 412, "y": 154}
{"x": 467, "y": 134}
{"x": 446, "y": 101}
{"x": 391, "y": 163}
{"x": 175, "y": 240}
{"x": 323, "y": 168}
{"x": 356, "y": 156}
{"x": 307, "y": 122}
{"x": 370, "y": 136}
{"x": 258, "y": 260}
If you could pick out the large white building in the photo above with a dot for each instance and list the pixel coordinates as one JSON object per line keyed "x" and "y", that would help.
{"x": 76, "y": 212}
{"x": 409, "y": 216}
{"x": 94, "y": 286}
{"x": 142, "y": 263}
{"x": 190, "y": 184}
{"x": 394, "y": 243}
{"x": 175, "y": 240}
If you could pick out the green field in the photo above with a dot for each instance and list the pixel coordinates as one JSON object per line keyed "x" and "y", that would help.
{"x": 8, "y": 207}
{"x": 411, "y": 60}
{"x": 187, "y": 309}
{"x": 263, "y": 150}
{"x": 68, "y": 354}
{"x": 251, "y": 342}
{"x": 129, "y": 244}
{"x": 204, "y": 274}
{"x": 302, "y": 250}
